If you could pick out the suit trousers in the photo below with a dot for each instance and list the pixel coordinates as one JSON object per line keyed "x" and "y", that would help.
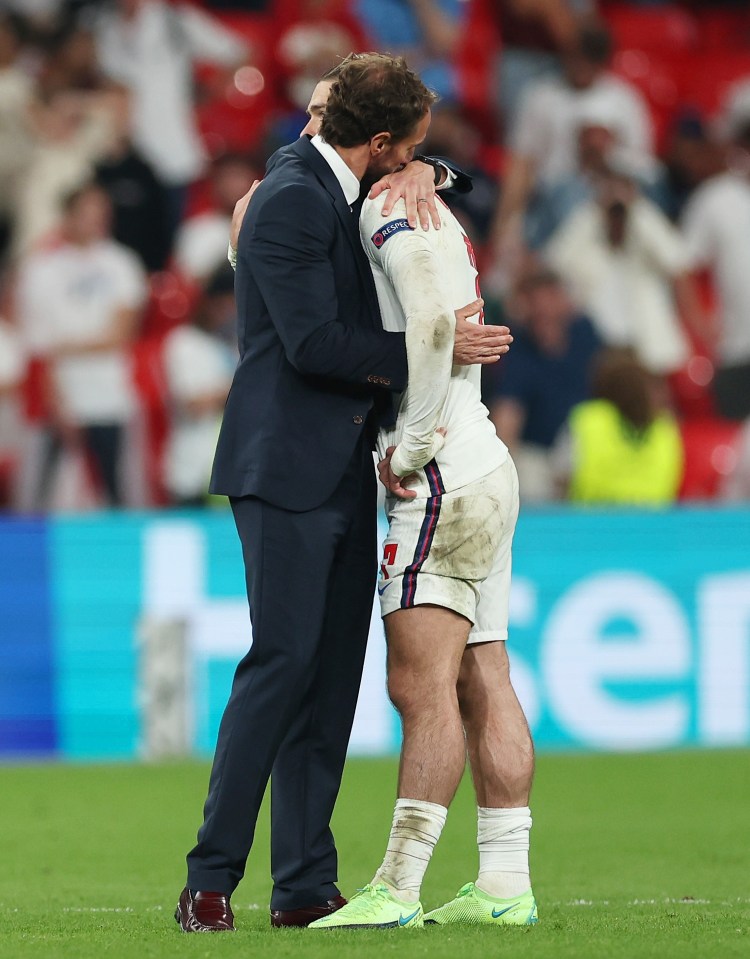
{"x": 310, "y": 585}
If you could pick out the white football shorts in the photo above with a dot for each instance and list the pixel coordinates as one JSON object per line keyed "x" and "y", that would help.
{"x": 454, "y": 550}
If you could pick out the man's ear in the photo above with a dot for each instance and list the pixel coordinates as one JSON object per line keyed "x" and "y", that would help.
{"x": 379, "y": 142}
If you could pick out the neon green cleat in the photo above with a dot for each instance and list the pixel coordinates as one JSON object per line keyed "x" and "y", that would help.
{"x": 373, "y": 907}
{"x": 472, "y": 907}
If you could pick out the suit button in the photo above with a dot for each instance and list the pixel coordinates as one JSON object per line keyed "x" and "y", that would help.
{"x": 359, "y": 420}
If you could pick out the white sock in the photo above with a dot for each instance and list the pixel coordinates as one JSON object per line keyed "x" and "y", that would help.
{"x": 503, "y": 839}
{"x": 416, "y": 828}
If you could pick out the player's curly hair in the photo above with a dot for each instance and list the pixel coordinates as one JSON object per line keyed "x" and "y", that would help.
{"x": 373, "y": 93}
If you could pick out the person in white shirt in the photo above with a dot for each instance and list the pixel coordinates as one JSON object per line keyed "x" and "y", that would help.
{"x": 626, "y": 265}
{"x": 543, "y": 143}
{"x": 201, "y": 241}
{"x": 716, "y": 225}
{"x": 78, "y": 305}
{"x": 198, "y": 363}
{"x": 444, "y": 586}
{"x": 149, "y": 47}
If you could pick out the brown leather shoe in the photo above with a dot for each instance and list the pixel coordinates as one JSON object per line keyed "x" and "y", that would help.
{"x": 281, "y": 918}
{"x": 204, "y": 912}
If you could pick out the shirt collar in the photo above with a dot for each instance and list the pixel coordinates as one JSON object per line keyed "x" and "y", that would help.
{"x": 347, "y": 180}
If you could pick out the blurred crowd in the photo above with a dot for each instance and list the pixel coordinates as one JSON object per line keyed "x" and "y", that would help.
{"x": 610, "y": 149}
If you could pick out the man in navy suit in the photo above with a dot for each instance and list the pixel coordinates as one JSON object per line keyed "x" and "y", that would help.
{"x": 294, "y": 456}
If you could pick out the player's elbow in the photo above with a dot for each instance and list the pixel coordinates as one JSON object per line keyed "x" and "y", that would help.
{"x": 310, "y": 357}
{"x": 432, "y": 333}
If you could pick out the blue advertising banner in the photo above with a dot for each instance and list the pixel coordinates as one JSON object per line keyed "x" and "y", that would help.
{"x": 628, "y": 630}
{"x": 28, "y": 708}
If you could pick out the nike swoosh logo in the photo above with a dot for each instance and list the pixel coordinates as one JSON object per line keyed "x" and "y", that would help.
{"x": 496, "y": 914}
{"x": 408, "y": 919}
{"x": 382, "y": 589}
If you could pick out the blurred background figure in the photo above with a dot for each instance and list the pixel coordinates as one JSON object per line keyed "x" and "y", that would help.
{"x": 72, "y": 131}
{"x": 453, "y": 134}
{"x": 717, "y": 230}
{"x": 599, "y": 140}
{"x": 199, "y": 361}
{"x": 16, "y": 138}
{"x": 78, "y": 306}
{"x": 535, "y": 34}
{"x": 12, "y": 372}
{"x": 546, "y": 373}
{"x": 623, "y": 446}
{"x": 139, "y": 201}
{"x": 627, "y": 266}
{"x": 201, "y": 241}
{"x": 543, "y": 144}
{"x": 150, "y": 47}
{"x": 426, "y": 32}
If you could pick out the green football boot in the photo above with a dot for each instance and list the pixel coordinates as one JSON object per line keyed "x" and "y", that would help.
{"x": 472, "y": 907}
{"x": 373, "y": 907}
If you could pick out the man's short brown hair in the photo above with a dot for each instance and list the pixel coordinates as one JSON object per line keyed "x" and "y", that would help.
{"x": 373, "y": 93}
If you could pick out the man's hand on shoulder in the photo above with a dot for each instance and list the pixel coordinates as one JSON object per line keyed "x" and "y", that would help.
{"x": 476, "y": 343}
{"x": 415, "y": 185}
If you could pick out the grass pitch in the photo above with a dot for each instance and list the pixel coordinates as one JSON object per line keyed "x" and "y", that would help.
{"x": 632, "y": 856}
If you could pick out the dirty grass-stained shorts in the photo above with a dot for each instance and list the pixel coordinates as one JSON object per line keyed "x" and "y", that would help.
{"x": 454, "y": 550}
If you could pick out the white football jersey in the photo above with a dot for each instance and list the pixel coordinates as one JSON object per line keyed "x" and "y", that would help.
{"x": 421, "y": 277}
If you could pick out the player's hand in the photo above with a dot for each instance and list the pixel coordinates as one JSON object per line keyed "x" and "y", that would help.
{"x": 476, "y": 343}
{"x": 415, "y": 184}
{"x": 394, "y": 484}
{"x": 239, "y": 214}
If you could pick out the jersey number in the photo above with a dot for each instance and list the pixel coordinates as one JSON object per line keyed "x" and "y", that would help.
{"x": 389, "y": 558}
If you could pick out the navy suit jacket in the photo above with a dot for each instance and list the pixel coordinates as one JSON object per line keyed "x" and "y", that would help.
{"x": 313, "y": 353}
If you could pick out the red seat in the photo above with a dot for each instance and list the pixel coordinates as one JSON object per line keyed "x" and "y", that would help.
{"x": 710, "y": 455}
{"x": 149, "y": 379}
{"x": 653, "y": 28}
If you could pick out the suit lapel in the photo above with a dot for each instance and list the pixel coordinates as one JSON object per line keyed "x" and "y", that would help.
{"x": 349, "y": 220}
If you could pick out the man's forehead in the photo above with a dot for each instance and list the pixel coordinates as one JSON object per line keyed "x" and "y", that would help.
{"x": 319, "y": 96}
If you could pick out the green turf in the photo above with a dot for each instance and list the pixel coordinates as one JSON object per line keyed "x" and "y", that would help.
{"x": 633, "y": 856}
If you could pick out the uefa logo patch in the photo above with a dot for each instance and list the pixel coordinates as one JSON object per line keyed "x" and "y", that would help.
{"x": 395, "y": 226}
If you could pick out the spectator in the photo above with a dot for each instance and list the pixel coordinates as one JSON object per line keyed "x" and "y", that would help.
{"x": 150, "y": 46}
{"x": 621, "y": 447}
{"x": 201, "y": 242}
{"x": 626, "y": 265}
{"x": 16, "y": 98}
{"x": 73, "y": 131}
{"x": 717, "y": 229}
{"x": 314, "y": 36}
{"x": 79, "y": 306}
{"x": 453, "y": 135}
{"x": 691, "y": 157}
{"x": 137, "y": 197}
{"x": 71, "y": 63}
{"x": 199, "y": 361}
{"x": 534, "y": 34}
{"x": 426, "y": 32}
{"x": 12, "y": 369}
{"x": 543, "y": 143}
{"x": 544, "y": 376}
{"x": 599, "y": 137}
